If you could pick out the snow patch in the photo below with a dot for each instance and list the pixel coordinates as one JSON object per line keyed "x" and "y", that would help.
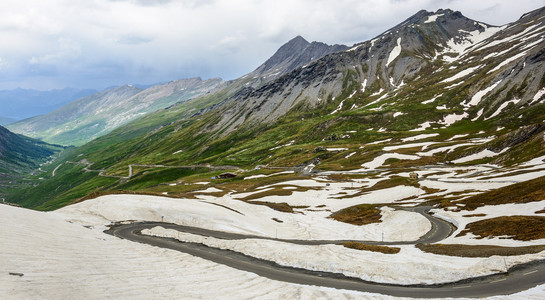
{"x": 433, "y": 18}
{"x": 502, "y": 106}
{"x": 380, "y": 160}
{"x": 538, "y": 95}
{"x": 483, "y": 154}
{"x": 453, "y": 118}
{"x": 480, "y": 94}
{"x": 395, "y": 52}
{"x": 419, "y": 137}
{"x": 507, "y": 61}
{"x": 422, "y": 126}
{"x": 462, "y": 74}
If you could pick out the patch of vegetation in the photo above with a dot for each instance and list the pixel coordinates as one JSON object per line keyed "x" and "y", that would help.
{"x": 374, "y": 248}
{"x": 478, "y": 250}
{"x": 361, "y": 214}
{"x": 522, "y": 228}
{"x": 279, "y": 190}
{"x": 282, "y": 207}
{"x": 474, "y": 215}
{"x": 524, "y": 192}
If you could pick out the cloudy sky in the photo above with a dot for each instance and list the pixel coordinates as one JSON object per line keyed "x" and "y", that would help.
{"x": 48, "y": 44}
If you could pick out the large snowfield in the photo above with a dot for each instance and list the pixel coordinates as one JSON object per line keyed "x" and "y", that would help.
{"x": 65, "y": 254}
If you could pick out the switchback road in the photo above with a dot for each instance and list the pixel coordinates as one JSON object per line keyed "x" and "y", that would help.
{"x": 518, "y": 278}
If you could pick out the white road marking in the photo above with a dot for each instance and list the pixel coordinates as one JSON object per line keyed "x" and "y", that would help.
{"x": 529, "y": 272}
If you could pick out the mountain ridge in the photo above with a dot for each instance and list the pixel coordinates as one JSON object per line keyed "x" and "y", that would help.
{"x": 89, "y": 117}
{"x": 444, "y": 76}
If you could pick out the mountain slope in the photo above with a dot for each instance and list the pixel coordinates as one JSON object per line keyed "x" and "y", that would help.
{"x": 87, "y": 118}
{"x": 463, "y": 87}
{"x": 20, "y": 103}
{"x": 20, "y": 156}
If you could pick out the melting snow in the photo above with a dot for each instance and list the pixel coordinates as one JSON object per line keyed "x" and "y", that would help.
{"x": 457, "y": 136}
{"x": 380, "y": 160}
{"x": 341, "y": 104}
{"x": 395, "y": 52}
{"x": 433, "y": 18}
{"x": 479, "y": 114}
{"x": 480, "y": 155}
{"x": 350, "y": 155}
{"x": 502, "y": 106}
{"x": 505, "y": 62}
{"x": 453, "y": 118}
{"x": 538, "y": 95}
{"x": 419, "y": 137}
{"x": 380, "y": 142}
{"x": 285, "y": 145}
{"x": 461, "y": 74}
{"x": 431, "y": 100}
{"x": 480, "y": 94}
{"x": 423, "y": 126}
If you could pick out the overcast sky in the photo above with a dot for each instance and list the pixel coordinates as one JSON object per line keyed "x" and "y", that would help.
{"x": 48, "y": 44}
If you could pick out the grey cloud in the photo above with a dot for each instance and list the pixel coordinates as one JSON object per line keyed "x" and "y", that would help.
{"x": 134, "y": 40}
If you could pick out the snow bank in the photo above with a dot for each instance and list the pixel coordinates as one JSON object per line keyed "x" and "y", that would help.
{"x": 410, "y": 266}
{"x": 62, "y": 260}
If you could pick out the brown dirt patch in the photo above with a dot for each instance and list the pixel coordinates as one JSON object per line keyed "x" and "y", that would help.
{"x": 522, "y": 228}
{"x": 478, "y": 250}
{"x": 361, "y": 214}
{"x": 474, "y": 215}
{"x": 283, "y": 207}
{"x": 374, "y": 248}
{"x": 279, "y": 190}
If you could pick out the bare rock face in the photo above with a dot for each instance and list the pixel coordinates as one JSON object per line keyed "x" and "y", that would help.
{"x": 516, "y": 137}
{"x": 295, "y": 53}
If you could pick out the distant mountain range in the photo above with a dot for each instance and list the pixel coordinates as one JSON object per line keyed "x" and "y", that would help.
{"x": 19, "y": 103}
{"x": 92, "y": 116}
{"x": 437, "y": 74}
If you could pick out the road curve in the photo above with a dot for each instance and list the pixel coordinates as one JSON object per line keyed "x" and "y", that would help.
{"x": 518, "y": 278}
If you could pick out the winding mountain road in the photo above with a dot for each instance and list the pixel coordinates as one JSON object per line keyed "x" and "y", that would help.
{"x": 517, "y": 278}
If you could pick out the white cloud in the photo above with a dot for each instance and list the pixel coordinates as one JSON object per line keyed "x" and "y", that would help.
{"x": 104, "y": 42}
{"x": 67, "y": 51}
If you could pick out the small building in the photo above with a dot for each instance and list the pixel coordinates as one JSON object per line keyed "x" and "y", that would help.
{"x": 413, "y": 176}
{"x": 226, "y": 175}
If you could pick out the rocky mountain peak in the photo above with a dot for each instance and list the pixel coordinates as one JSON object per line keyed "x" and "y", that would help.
{"x": 295, "y": 53}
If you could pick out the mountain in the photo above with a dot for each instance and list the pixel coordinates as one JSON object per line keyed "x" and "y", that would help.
{"x": 89, "y": 117}
{"x": 473, "y": 92}
{"x": 295, "y": 53}
{"x": 20, "y": 156}
{"x": 20, "y": 103}
{"x": 5, "y": 121}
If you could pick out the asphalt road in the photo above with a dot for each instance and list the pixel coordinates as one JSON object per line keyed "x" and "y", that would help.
{"x": 516, "y": 279}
